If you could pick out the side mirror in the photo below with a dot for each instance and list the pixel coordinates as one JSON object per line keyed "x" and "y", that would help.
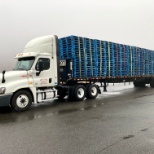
{"x": 39, "y": 68}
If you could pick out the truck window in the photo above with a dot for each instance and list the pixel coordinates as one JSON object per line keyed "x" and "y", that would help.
{"x": 24, "y": 63}
{"x": 46, "y": 63}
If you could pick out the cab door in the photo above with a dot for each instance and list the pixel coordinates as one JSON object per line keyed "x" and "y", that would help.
{"x": 44, "y": 77}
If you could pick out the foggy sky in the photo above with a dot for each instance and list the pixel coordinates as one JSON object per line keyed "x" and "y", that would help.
{"x": 123, "y": 21}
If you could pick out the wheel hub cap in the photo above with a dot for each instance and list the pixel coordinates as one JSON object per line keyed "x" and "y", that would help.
{"x": 93, "y": 91}
{"x": 22, "y": 101}
{"x": 80, "y": 92}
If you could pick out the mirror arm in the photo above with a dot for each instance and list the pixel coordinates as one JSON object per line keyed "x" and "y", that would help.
{"x": 38, "y": 73}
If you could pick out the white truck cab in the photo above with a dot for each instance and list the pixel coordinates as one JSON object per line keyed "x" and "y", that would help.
{"x": 35, "y": 73}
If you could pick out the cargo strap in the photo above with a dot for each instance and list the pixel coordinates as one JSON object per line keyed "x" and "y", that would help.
{"x": 79, "y": 56}
{"x": 136, "y": 61}
{"x": 131, "y": 59}
{"x": 109, "y": 57}
{"x": 85, "y": 57}
{"x": 100, "y": 59}
{"x": 124, "y": 60}
{"x": 117, "y": 59}
{"x": 91, "y": 57}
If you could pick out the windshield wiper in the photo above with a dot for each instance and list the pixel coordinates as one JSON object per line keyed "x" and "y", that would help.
{"x": 21, "y": 69}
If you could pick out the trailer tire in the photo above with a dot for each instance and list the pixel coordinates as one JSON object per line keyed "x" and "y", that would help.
{"x": 79, "y": 92}
{"x": 152, "y": 83}
{"x": 139, "y": 84}
{"x": 91, "y": 91}
{"x": 136, "y": 84}
{"x": 21, "y": 101}
{"x": 142, "y": 84}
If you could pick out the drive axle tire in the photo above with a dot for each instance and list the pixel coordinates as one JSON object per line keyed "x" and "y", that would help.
{"x": 91, "y": 91}
{"x": 21, "y": 101}
{"x": 79, "y": 92}
{"x": 62, "y": 94}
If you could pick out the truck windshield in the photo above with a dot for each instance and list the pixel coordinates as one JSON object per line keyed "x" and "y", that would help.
{"x": 24, "y": 63}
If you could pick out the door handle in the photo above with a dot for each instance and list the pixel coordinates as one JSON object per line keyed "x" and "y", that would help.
{"x": 50, "y": 80}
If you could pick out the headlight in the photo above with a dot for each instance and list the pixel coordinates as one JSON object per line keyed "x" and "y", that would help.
{"x": 2, "y": 90}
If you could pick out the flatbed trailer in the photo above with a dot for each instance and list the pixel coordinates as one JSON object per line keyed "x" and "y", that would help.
{"x": 102, "y": 61}
{"x": 71, "y": 66}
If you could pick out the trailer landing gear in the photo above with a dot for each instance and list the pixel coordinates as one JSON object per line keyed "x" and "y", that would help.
{"x": 105, "y": 85}
{"x": 105, "y": 90}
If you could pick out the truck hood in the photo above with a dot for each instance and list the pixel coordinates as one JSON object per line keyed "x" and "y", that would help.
{"x": 12, "y": 76}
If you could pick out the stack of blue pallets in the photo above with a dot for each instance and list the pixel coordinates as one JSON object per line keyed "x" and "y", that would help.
{"x": 96, "y": 58}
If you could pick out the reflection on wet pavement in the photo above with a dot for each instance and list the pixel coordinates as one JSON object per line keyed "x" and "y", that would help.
{"x": 112, "y": 123}
{"x": 56, "y": 107}
{"x": 7, "y": 115}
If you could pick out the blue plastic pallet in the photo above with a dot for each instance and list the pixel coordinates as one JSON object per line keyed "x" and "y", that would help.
{"x": 96, "y": 58}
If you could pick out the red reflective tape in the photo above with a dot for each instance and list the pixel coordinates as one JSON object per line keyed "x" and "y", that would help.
{"x": 24, "y": 76}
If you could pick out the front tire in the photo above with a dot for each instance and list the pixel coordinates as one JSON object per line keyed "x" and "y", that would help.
{"x": 21, "y": 101}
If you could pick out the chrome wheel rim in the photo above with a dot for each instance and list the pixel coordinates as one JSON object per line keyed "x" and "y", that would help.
{"x": 93, "y": 91}
{"x": 80, "y": 92}
{"x": 22, "y": 101}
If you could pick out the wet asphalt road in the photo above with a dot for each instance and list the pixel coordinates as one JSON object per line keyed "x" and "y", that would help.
{"x": 119, "y": 121}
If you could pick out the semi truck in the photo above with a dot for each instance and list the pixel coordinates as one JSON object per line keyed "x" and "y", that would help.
{"x": 72, "y": 66}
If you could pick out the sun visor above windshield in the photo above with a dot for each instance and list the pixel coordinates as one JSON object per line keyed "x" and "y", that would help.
{"x": 26, "y": 54}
